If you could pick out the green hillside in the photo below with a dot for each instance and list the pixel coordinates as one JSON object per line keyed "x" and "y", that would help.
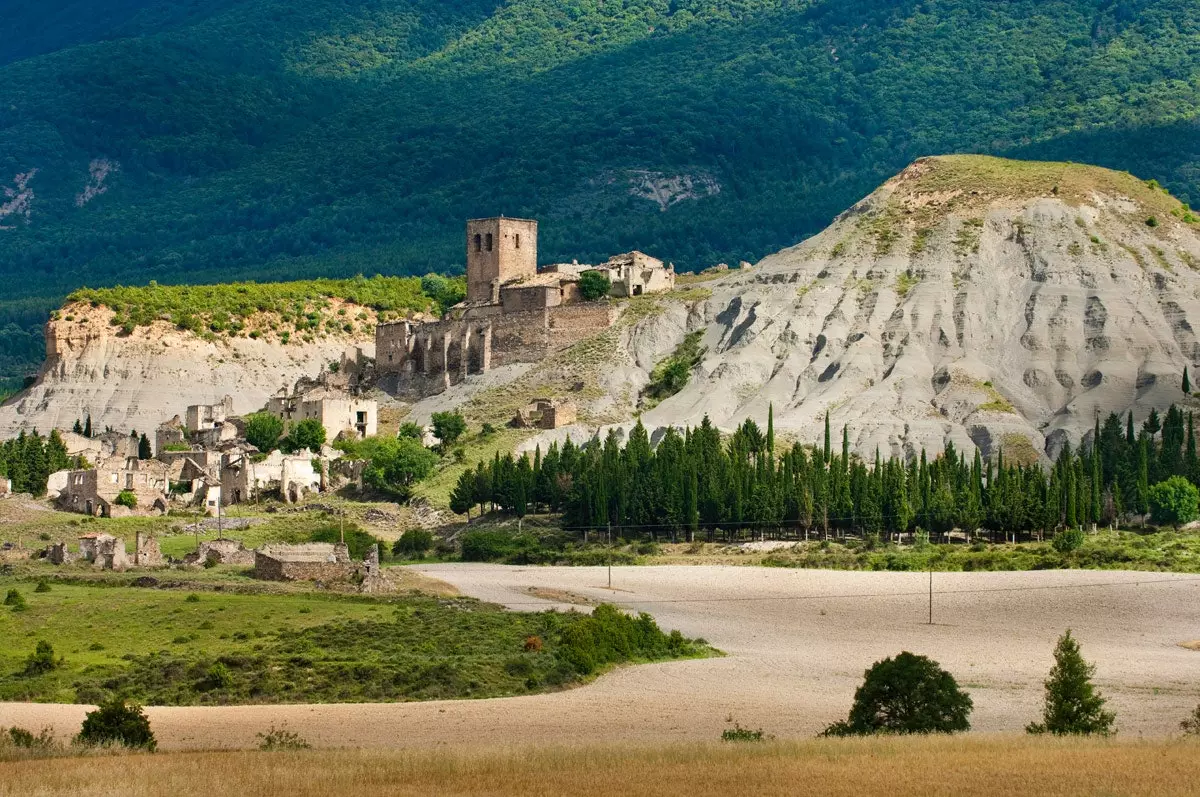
{"x": 269, "y": 139}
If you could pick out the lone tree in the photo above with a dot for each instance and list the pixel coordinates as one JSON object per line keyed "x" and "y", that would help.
{"x": 308, "y": 434}
{"x": 1175, "y": 501}
{"x": 119, "y": 723}
{"x": 906, "y": 694}
{"x": 448, "y": 426}
{"x": 1073, "y": 706}
{"x": 594, "y": 285}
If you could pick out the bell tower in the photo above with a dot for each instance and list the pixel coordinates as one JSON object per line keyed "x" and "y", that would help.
{"x": 499, "y": 250}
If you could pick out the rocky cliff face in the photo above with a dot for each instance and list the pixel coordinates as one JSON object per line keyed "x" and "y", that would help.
{"x": 138, "y": 380}
{"x": 974, "y": 300}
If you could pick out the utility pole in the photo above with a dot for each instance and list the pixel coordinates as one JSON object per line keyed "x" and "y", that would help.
{"x": 610, "y": 555}
{"x": 931, "y": 595}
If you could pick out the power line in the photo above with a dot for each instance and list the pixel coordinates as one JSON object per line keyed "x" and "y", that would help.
{"x": 862, "y": 595}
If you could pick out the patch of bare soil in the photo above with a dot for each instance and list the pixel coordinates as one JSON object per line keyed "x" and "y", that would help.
{"x": 797, "y": 643}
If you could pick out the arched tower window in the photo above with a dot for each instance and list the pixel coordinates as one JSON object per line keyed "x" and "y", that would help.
{"x": 489, "y": 242}
{"x": 478, "y": 242}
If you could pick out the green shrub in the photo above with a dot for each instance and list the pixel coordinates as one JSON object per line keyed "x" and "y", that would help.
{"x": 15, "y": 600}
{"x": 27, "y": 740}
{"x": 42, "y": 660}
{"x": 115, "y": 722}
{"x": 609, "y": 635}
{"x": 358, "y": 541}
{"x": 413, "y": 544}
{"x": 42, "y": 586}
{"x": 126, "y": 498}
{"x": 1174, "y": 501}
{"x": 906, "y": 694}
{"x": 594, "y": 285}
{"x": 739, "y": 734}
{"x": 1068, "y": 540}
{"x": 281, "y": 739}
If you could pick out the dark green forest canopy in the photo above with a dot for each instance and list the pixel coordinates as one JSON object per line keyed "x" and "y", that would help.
{"x": 272, "y": 139}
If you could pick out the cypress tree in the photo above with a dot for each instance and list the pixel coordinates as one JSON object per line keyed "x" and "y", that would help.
{"x": 827, "y": 451}
{"x": 78, "y": 427}
{"x": 1187, "y": 383}
{"x": 1073, "y": 706}
{"x": 87, "y": 426}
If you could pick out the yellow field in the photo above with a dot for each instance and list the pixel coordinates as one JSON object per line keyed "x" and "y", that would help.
{"x": 963, "y": 767}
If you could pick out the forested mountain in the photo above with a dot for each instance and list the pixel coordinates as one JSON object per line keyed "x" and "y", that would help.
{"x": 208, "y": 140}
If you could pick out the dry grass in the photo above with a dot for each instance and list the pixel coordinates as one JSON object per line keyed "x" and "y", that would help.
{"x": 1195, "y": 645}
{"x": 844, "y": 768}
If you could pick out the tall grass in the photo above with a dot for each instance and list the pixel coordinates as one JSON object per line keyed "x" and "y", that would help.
{"x": 974, "y": 767}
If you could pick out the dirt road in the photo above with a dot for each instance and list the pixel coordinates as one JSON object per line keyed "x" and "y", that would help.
{"x": 797, "y": 644}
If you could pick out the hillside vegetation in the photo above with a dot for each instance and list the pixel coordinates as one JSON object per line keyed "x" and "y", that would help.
{"x": 249, "y": 139}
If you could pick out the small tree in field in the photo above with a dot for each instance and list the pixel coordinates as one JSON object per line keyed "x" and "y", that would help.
{"x": 448, "y": 426}
{"x": 1175, "y": 501}
{"x": 906, "y": 694}
{"x": 1073, "y": 706}
{"x": 413, "y": 544}
{"x": 116, "y": 722}
{"x": 1191, "y": 725}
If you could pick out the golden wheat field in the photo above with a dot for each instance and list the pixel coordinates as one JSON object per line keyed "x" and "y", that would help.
{"x": 965, "y": 766}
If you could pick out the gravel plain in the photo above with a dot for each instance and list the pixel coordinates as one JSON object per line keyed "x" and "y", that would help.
{"x": 796, "y": 644}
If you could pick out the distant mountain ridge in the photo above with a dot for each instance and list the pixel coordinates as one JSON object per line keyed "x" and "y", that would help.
{"x": 267, "y": 139}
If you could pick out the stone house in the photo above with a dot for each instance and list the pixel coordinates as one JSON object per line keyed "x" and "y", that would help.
{"x": 221, "y": 552}
{"x": 146, "y": 551}
{"x": 94, "y": 491}
{"x": 77, "y": 445}
{"x": 546, "y": 413}
{"x": 314, "y": 561}
{"x": 209, "y": 416}
{"x": 341, "y": 414}
{"x": 636, "y": 273}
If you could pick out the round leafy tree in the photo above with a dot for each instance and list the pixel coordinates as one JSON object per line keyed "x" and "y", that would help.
{"x": 906, "y": 694}
{"x": 263, "y": 431}
{"x": 1073, "y": 706}
{"x": 1174, "y": 501}
{"x": 594, "y": 285}
{"x": 116, "y": 722}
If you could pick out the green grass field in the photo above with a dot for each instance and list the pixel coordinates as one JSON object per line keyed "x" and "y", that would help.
{"x": 220, "y": 638}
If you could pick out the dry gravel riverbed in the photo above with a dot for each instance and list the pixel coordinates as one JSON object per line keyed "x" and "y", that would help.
{"x": 797, "y": 644}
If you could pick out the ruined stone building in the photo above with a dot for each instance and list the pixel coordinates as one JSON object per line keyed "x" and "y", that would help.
{"x": 546, "y": 413}
{"x": 340, "y": 413}
{"x": 314, "y": 561}
{"x": 103, "y": 551}
{"x": 209, "y": 416}
{"x": 94, "y": 491}
{"x": 513, "y": 314}
{"x": 636, "y": 273}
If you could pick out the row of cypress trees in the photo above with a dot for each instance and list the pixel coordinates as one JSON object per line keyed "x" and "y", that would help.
{"x": 29, "y": 459}
{"x": 693, "y": 480}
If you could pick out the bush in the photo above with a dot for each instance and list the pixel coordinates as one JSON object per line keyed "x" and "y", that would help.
{"x": 1191, "y": 725}
{"x": 1073, "y": 706}
{"x": 739, "y": 734}
{"x": 307, "y": 434}
{"x": 1174, "y": 501}
{"x": 115, "y": 722}
{"x": 906, "y": 694}
{"x": 27, "y": 740}
{"x": 42, "y": 660}
{"x": 358, "y": 541}
{"x": 1068, "y": 540}
{"x": 609, "y": 635}
{"x": 15, "y": 600}
{"x": 448, "y": 426}
{"x": 281, "y": 739}
{"x": 126, "y": 498}
{"x": 594, "y": 285}
{"x": 413, "y": 544}
{"x": 42, "y": 586}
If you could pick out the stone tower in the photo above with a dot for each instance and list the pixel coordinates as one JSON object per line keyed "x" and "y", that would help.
{"x": 498, "y": 250}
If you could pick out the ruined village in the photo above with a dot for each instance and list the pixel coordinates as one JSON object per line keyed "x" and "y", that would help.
{"x": 201, "y": 461}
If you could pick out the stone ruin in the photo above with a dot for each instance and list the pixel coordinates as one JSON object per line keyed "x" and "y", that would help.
{"x": 221, "y": 552}
{"x": 104, "y": 551}
{"x": 546, "y": 413}
{"x": 313, "y": 561}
